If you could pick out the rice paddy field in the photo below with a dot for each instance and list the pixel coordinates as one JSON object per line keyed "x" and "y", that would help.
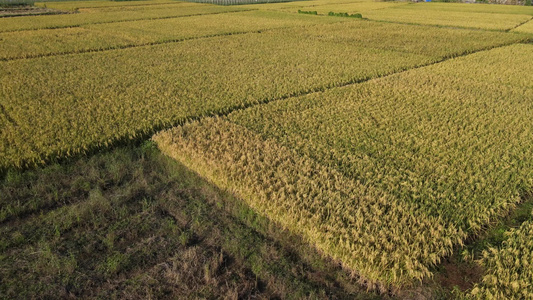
{"x": 167, "y": 149}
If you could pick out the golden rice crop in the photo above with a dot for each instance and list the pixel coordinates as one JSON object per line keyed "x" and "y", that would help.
{"x": 295, "y": 4}
{"x": 125, "y": 93}
{"x": 92, "y": 99}
{"x": 385, "y": 242}
{"x": 122, "y": 34}
{"x": 73, "y": 5}
{"x": 73, "y": 20}
{"x": 472, "y": 8}
{"x": 357, "y": 7}
{"x": 509, "y": 268}
{"x": 452, "y": 138}
{"x": 431, "y": 41}
{"x": 451, "y": 143}
{"x": 440, "y": 42}
{"x": 491, "y": 21}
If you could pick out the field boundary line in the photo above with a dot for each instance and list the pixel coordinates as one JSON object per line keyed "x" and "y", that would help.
{"x": 124, "y": 21}
{"x": 6, "y": 114}
{"x": 523, "y": 23}
{"x": 128, "y": 46}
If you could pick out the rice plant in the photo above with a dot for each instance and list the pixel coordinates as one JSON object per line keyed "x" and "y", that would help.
{"x": 508, "y": 269}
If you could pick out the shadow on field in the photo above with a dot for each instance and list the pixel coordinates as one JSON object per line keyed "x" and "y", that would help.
{"x": 131, "y": 223}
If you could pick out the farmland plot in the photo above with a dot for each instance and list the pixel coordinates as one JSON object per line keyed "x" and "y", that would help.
{"x": 76, "y": 20}
{"x": 387, "y": 176}
{"x": 526, "y": 28}
{"x": 434, "y": 16}
{"x": 94, "y": 99}
{"x": 133, "y": 33}
{"x": 357, "y": 7}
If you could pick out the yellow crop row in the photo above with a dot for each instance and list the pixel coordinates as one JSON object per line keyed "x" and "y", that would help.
{"x": 472, "y": 8}
{"x": 384, "y": 242}
{"x": 73, "y": 5}
{"x": 123, "y": 34}
{"x": 490, "y": 21}
{"x": 449, "y": 143}
{"x": 357, "y": 7}
{"x": 509, "y": 268}
{"x": 78, "y": 19}
{"x": 295, "y": 4}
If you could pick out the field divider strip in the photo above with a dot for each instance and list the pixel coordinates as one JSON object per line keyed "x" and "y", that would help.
{"x": 124, "y": 21}
{"x": 523, "y": 23}
{"x": 6, "y": 114}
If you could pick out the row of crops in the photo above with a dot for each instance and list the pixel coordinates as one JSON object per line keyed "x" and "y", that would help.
{"x": 239, "y": 2}
{"x": 488, "y": 17}
{"x": 179, "y": 9}
{"x": 144, "y": 32}
{"x": 387, "y": 176}
{"x": 125, "y": 94}
{"x": 93, "y": 37}
{"x": 494, "y": 17}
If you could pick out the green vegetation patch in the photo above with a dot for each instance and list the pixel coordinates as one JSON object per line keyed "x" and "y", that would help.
{"x": 308, "y": 12}
{"x": 345, "y": 15}
{"x": 14, "y": 3}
